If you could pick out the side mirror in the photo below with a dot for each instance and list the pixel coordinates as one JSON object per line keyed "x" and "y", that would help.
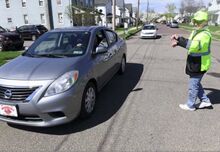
{"x": 100, "y": 50}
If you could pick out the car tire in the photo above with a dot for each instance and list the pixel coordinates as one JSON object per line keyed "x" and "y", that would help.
{"x": 1, "y": 47}
{"x": 34, "y": 37}
{"x": 122, "y": 66}
{"x": 88, "y": 100}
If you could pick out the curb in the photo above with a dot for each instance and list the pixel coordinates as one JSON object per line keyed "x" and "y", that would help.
{"x": 130, "y": 34}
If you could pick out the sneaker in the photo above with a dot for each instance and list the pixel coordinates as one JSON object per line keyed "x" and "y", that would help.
{"x": 186, "y": 107}
{"x": 204, "y": 105}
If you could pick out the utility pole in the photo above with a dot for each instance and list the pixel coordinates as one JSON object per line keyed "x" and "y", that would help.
{"x": 138, "y": 9}
{"x": 113, "y": 14}
{"x": 147, "y": 10}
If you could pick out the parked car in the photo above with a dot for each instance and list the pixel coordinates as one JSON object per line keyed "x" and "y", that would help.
{"x": 9, "y": 40}
{"x": 57, "y": 79}
{"x": 149, "y": 31}
{"x": 31, "y": 32}
{"x": 168, "y": 23}
{"x": 174, "y": 24}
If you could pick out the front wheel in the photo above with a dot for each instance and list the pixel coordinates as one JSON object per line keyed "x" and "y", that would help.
{"x": 122, "y": 66}
{"x": 1, "y": 47}
{"x": 88, "y": 100}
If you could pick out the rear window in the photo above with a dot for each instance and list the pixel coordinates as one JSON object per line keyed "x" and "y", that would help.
{"x": 175, "y": 22}
{"x": 39, "y": 27}
{"x": 149, "y": 28}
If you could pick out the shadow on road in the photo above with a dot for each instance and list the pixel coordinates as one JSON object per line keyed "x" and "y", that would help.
{"x": 214, "y": 95}
{"x": 149, "y": 38}
{"x": 110, "y": 100}
{"x": 217, "y": 75}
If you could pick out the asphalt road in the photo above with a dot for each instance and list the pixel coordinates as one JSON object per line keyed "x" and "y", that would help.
{"x": 137, "y": 111}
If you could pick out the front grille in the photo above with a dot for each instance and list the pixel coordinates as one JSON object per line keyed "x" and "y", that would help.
{"x": 27, "y": 118}
{"x": 15, "y": 94}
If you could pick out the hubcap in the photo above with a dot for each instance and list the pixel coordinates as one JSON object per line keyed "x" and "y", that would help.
{"x": 90, "y": 99}
{"x": 33, "y": 37}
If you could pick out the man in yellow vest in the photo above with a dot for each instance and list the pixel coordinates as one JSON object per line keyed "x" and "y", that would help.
{"x": 198, "y": 60}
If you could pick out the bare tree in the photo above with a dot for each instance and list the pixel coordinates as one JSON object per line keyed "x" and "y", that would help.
{"x": 171, "y": 7}
{"x": 191, "y": 6}
{"x": 182, "y": 7}
{"x": 170, "y": 10}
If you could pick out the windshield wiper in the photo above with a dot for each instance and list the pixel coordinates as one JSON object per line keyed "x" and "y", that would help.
{"x": 28, "y": 54}
{"x": 50, "y": 55}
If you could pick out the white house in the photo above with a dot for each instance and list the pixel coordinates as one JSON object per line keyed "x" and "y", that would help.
{"x": 51, "y": 13}
{"x": 129, "y": 13}
{"x": 214, "y": 10}
{"x": 120, "y": 12}
{"x": 105, "y": 8}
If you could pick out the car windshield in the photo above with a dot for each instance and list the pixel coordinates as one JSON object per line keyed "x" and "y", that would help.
{"x": 2, "y": 30}
{"x": 175, "y": 22}
{"x": 60, "y": 44}
{"x": 149, "y": 28}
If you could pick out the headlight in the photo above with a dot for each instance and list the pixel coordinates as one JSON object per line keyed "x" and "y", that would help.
{"x": 63, "y": 83}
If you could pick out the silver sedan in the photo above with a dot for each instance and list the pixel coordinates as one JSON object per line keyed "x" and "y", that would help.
{"x": 57, "y": 79}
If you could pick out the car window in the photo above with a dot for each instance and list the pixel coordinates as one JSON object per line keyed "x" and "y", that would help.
{"x": 112, "y": 37}
{"x": 22, "y": 28}
{"x": 41, "y": 28}
{"x": 100, "y": 39}
{"x": 61, "y": 43}
{"x": 149, "y": 28}
{"x": 31, "y": 28}
{"x": 48, "y": 44}
{"x": 2, "y": 30}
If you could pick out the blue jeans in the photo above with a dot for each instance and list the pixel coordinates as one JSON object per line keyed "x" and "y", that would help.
{"x": 196, "y": 90}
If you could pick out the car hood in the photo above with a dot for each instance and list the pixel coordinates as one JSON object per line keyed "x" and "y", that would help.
{"x": 28, "y": 68}
{"x": 9, "y": 34}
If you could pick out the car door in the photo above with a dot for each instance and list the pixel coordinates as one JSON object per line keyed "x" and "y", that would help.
{"x": 114, "y": 47}
{"x": 101, "y": 61}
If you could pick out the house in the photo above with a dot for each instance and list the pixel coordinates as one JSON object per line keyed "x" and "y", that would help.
{"x": 214, "y": 10}
{"x": 105, "y": 9}
{"x": 51, "y": 13}
{"x": 83, "y": 12}
{"x": 129, "y": 13}
{"x": 134, "y": 15}
{"x": 120, "y": 13}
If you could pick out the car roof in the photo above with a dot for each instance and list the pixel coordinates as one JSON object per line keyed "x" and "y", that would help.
{"x": 78, "y": 28}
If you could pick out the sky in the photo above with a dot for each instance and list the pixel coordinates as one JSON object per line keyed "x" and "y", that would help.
{"x": 158, "y": 5}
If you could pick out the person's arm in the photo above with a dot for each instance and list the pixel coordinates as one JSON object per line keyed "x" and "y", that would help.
{"x": 183, "y": 42}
